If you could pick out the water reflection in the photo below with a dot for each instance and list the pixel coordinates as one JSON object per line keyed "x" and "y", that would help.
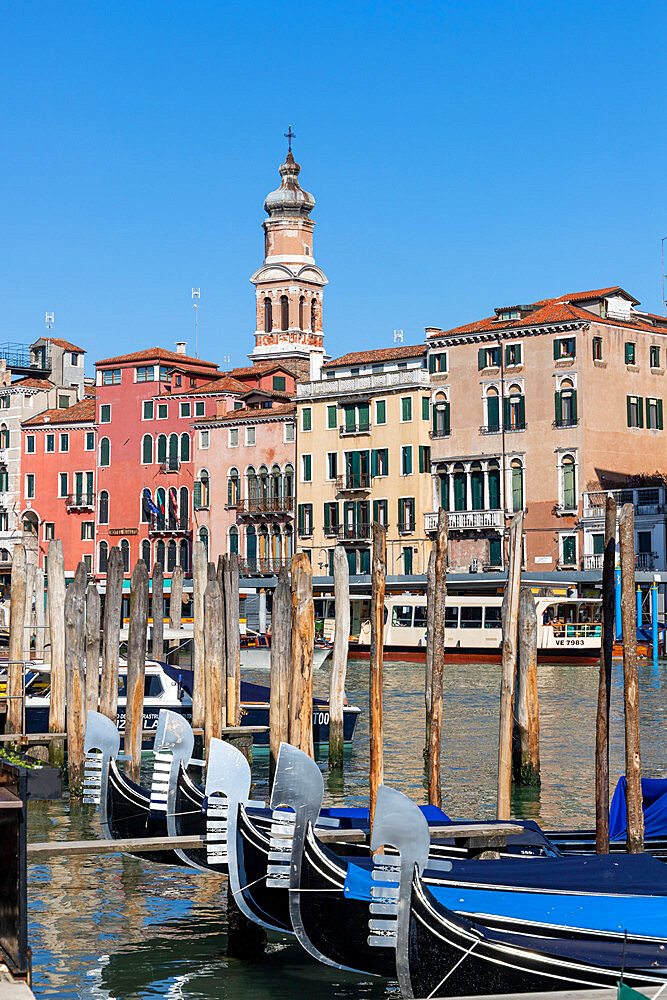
{"x": 117, "y": 927}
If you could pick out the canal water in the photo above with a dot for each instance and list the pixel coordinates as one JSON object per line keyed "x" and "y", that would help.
{"x": 120, "y": 928}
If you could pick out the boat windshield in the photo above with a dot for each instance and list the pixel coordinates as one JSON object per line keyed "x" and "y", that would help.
{"x": 574, "y": 619}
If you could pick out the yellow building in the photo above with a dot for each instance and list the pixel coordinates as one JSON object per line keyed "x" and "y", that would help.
{"x": 363, "y": 453}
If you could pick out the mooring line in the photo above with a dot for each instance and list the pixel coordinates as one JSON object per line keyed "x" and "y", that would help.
{"x": 462, "y": 959}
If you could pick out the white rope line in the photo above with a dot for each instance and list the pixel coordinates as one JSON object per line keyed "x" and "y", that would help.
{"x": 453, "y": 969}
{"x": 662, "y": 988}
{"x": 243, "y": 888}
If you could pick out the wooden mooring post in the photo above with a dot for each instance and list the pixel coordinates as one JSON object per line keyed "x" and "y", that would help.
{"x": 56, "y": 604}
{"x": 92, "y": 647}
{"x": 157, "y": 608}
{"x": 339, "y": 657}
{"x": 75, "y": 640}
{"x": 604, "y": 684}
{"x": 40, "y": 614}
{"x": 136, "y": 667}
{"x": 214, "y": 664}
{"x": 230, "y": 575}
{"x": 633, "y": 763}
{"x": 113, "y": 608}
{"x": 303, "y": 639}
{"x": 17, "y": 604}
{"x": 281, "y": 658}
{"x": 437, "y": 658}
{"x": 29, "y": 594}
{"x": 378, "y": 578}
{"x": 199, "y": 580}
{"x": 527, "y": 716}
{"x": 428, "y": 674}
{"x": 176, "y": 597}
{"x": 510, "y": 611}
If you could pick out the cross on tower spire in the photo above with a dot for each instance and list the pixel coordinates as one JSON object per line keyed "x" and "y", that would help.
{"x": 289, "y": 135}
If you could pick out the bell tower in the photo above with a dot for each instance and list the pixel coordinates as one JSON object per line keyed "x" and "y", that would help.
{"x": 289, "y": 285}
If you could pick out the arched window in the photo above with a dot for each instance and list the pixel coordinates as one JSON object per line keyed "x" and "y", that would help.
{"x": 184, "y": 556}
{"x": 264, "y": 546}
{"x": 147, "y": 449}
{"x": 477, "y": 486}
{"x": 276, "y": 547}
{"x": 146, "y": 553}
{"x": 184, "y": 508}
{"x": 105, "y": 452}
{"x": 234, "y": 539}
{"x": 441, "y": 416}
{"x": 205, "y": 487}
{"x": 172, "y": 513}
{"x": 173, "y": 451}
{"x": 492, "y": 410}
{"x": 288, "y": 482}
{"x": 288, "y": 544}
{"x": 159, "y": 554}
{"x": 161, "y": 504}
{"x": 251, "y": 479}
{"x": 302, "y": 303}
{"x": 185, "y": 447}
{"x": 251, "y": 547}
{"x": 4, "y": 436}
{"x": 515, "y": 409}
{"x": 125, "y": 553}
{"x": 162, "y": 448}
{"x": 312, "y": 314}
{"x": 517, "y": 485}
{"x": 284, "y": 312}
{"x": 444, "y": 491}
{"x": 275, "y": 487}
{"x": 459, "y": 478}
{"x": 568, "y": 480}
{"x": 171, "y": 556}
{"x": 103, "y": 557}
{"x": 233, "y": 491}
{"x": 263, "y": 484}
{"x": 566, "y": 404}
{"x": 145, "y": 506}
{"x": 104, "y": 507}
{"x": 268, "y": 317}
{"x": 203, "y": 537}
{"x": 494, "y": 485}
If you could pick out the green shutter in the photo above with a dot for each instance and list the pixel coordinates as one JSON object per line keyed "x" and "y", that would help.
{"x": 558, "y": 405}
{"x": 492, "y": 412}
{"x": 381, "y": 411}
{"x": 494, "y": 491}
{"x": 444, "y": 492}
{"x": 401, "y": 512}
{"x": 574, "y": 405}
{"x": 301, "y": 517}
{"x": 477, "y": 490}
{"x": 628, "y": 411}
{"x": 659, "y": 414}
{"x": 640, "y": 410}
{"x": 327, "y": 517}
{"x": 426, "y": 407}
{"x": 307, "y": 418}
{"x": 522, "y": 411}
{"x": 408, "y": 460}
{"x": 459, "y": 491}
{"x": 196, "y": 494}
{"x": 481, "y": 358}
{"x": 628, "y": 354}
{"x": 376, "y": 511}
{"x": 431, "y": 363}
{"x": 350, "y": 417}
{"x": 331, "y": 416}
{"x": 307, "y": 469}
{"x": 556, "y": 350}
{"x": 364, "y": 415}
{"x": 406, "y": 407}
{"x": 506, "y": 411}
{"x": 495, "y": 552}
{"x": 375, "y": 461}
{"x": 508, "y": 354}
{"x": 447, "y": 425}
{"x": 384, "y": 455}
{"x": 518, "y": 350}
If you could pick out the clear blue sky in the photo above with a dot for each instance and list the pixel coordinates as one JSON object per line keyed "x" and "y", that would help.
{"x": 463, "y": 156}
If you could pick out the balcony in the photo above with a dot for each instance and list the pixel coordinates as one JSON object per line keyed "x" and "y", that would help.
{"x": 168, "y": 525}
{"x": 406, "y": 527}
{"x": 437, "y": 434}
{"x": 648, "y": 501}
{"x": 261, "y": 507}
{"x": 364, "y": 385}
{"x": 4, "y": 456}
{"x": 262, "y": 567}
{"x": 490, "y": 429}
{"x": 171, "y": 465}
{"x": 80, "y": 501}
{"x": 594, "y": 562}
{"x": 354, "y": 482}
{"x": 352, "y": 532}
{"x": 565, "y": 422}
{"x": 646, "y": 560}
{"x": 467, "y": 520}
{"x": 350, "y": 430}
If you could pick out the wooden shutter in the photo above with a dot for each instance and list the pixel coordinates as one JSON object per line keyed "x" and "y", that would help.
{"x": 426, "y": 407}
{"x": 659, "y": 414}
{"x": 629, "y": 410}
{"x": 327, "y": 517}
{"x": 447, "y": 425}
{"x": 558, "y": 406}
{"x": 574, "y": 405}
{"x": 492, "y": 412}
{"x": 506, "y": 411}
{"x": 444, "y": 492}
{"x": 301, "y": 517}
{"x": 375, "y": 461}
{"x": 196, "y": 494}
{"x": 556, "y": 350}
{"x": 640, "y": 411}
{"x": 401, "y": 512}
{"x": 364, "y": 415}
{"x": 481, "y": 358}
{"x": 522, "y": 411}
{"x": 431, "y": 363}
{"x": 381, "y": 412}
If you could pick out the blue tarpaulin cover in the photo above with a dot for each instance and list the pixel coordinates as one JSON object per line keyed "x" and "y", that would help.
{"x": 654, "y": 796}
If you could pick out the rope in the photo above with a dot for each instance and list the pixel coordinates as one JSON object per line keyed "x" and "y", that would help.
{"x": 453, "y": 969}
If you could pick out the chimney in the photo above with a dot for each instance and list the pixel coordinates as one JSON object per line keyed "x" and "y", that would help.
{"x": 431, "y": 330}
{"x": 180, "y": 347}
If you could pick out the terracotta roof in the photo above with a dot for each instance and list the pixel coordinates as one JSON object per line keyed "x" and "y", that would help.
{"x": 157, "y": 354}
{"x": 250, "y": 413}
{"x": 33, "y": 383}
{"x": 224, "y": 384}
{"x": 65, "y": 344}
{"x": 79, "y": 413}
{"x": 596, "y": 293}
{"x": 383, "y": 354}
{"x": 260, "y": 369}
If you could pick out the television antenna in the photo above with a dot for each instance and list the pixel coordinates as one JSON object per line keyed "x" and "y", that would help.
{"x": 398, "y": 336}
{"x": 49, "y": 320}
{"x": 227, "y": 359}
{"x": 195, "y": 303}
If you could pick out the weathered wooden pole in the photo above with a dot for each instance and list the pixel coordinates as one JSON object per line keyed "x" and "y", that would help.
{"x": 633, "y": 762}
{"x": 199, "y": 580}
{"x": 211, "y": 573}
{"x": 157, "y": 645}
{"x": 40, "y": 614}
{"x": 339, "y": 656}
{"x": 136, "y": 667}
{"x": 438, "y": 658}
{"x": 74, "y": 617}
{"x": 378, "y": 576}
{"x": 232, "y": 637}
{"x": 17, "y": 605}
{"x": 47, "y": 628}
{"x": 604, "y": 685}
{"x": 176, "y": 597}
{"x": 428, "y": 675}
{"x": 303, "y": 643}
{"x": 527, "y": 717}
{"x": 92, "y": 647}
{"x": 113, "y": 609}
{"x": 281, "y": 659}
{"x": 29, "y": 594}
{"x": 510, "y": 611}
{"x": 214, "y": 663}
{"x": 56, "y": 601}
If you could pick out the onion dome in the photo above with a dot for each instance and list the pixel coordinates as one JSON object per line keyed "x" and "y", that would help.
{"x": 289, "y": 199}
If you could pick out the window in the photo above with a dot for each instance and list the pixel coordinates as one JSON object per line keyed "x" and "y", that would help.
{"x": 233, "y": 488}
{"x": 105, "y": 452}
{"x": 306, "y": 419}
{"x": 598, "y": 544}
{"x": 654, "y": 414}
{"x": 49, "y": 530}
{"x": 30, "y": 486}
{"x": 471, "y": 617}
{"x": 401, "y": 616}
{"x": 381, "y": 411}
{"x": 200, "y": 409}
{"x": 406, "y": 409}
{"x": 104, "y": 507}
{"x": 268, "y": 318}
{"x": 289, "y": 433}
{"x": 87, "y": 530}
{"x": 493, "y": 617}
{"x": 63, "y": 402}
{"x": 234, "y": 539}
{"x": 238, "y": 404}
{"x": 313, "y": 314}
{"x": 162, "y": 411}
{"x": 495, "y": 551}
{"x": 513, "y": 355}
{"x": 476, "y": 486}
{"x": 185, "y": 447}
{"x": 426, "y": 408}
{"x": 250, "y": 435}
{"x": 565, "y": 347}
{"x": 437, "y": 363}
{"x": 654, "y": 352}
{"x": 146, "y": 553}
{"x": 64, "y": 442}
{"x": 30, "y": 444}
{"x": 50, "y": 443}
{"x": 332, "y": 417}
{"x": 305, "y": 519}
{"x": 630, "y": 354}
{"x": 165, "y": 375}
{"x": 145, "y": 373}
{"x": 441, "y": 424}
{"x": 233, "y": 437}
{"x": 406, "y": 514}
{"x": 565, "y": 403}
{"x": 111, "y": 376}
{"x": 200, "y": 491}
{"x": 147, "y": 449}
{"x": 380, "y": 462}
{"x": 331, "y": 522}
{"x": 278, "y": 382}
{"x": 147, "y": 411}
{"x": 178, "y": 380}
{"x": 488, "y": 357}
{"x": 4, "y": 437}
{"x": 203, "y": 439}
{"x": 494, "y": 486}
{"x": 185, "y": 409}
{"x": 424, "y": 458}
{"x": 568, "y": 550}
{"x": 517, "y": 485}
{"x": 597, "y": 348}
{"x": 492, "y": 411}
{"x": 332, "y": 465}
{"x": 90, "y": 441}
{"x": 74, "y": 359}
{"x": 103, "y": 557}
{"x": 63, "y": 488}
{"x": 306, "y": 469}
{"x": 515, "y": 410}
{"x": 125, "y": 553}
{"x": 635, "y": 408}
{"x": 284, "y": 312}
{"x": 406, "y": 460}
{"x": 380, "y": 512}
{"x": 568, "y": 483}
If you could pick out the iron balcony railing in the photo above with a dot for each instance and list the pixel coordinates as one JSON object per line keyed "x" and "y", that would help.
{"x": 164, "y": 524}
{"x": 438, "y": 433}
{"x": 354, "y": 481}
{"x": 170, "y": 465}
{"x": 565, "y": 422}
{"x": 266, "y": 505}
{"x": 406, "y": 527}
{"x": 643, "y": 561}
{"x": 347, "y": 430}
{"x": 257, "y": 567}
{"x": 80, "y": 501}
{"x": 352, "y": 532}
{"x": 490, "y": 429}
